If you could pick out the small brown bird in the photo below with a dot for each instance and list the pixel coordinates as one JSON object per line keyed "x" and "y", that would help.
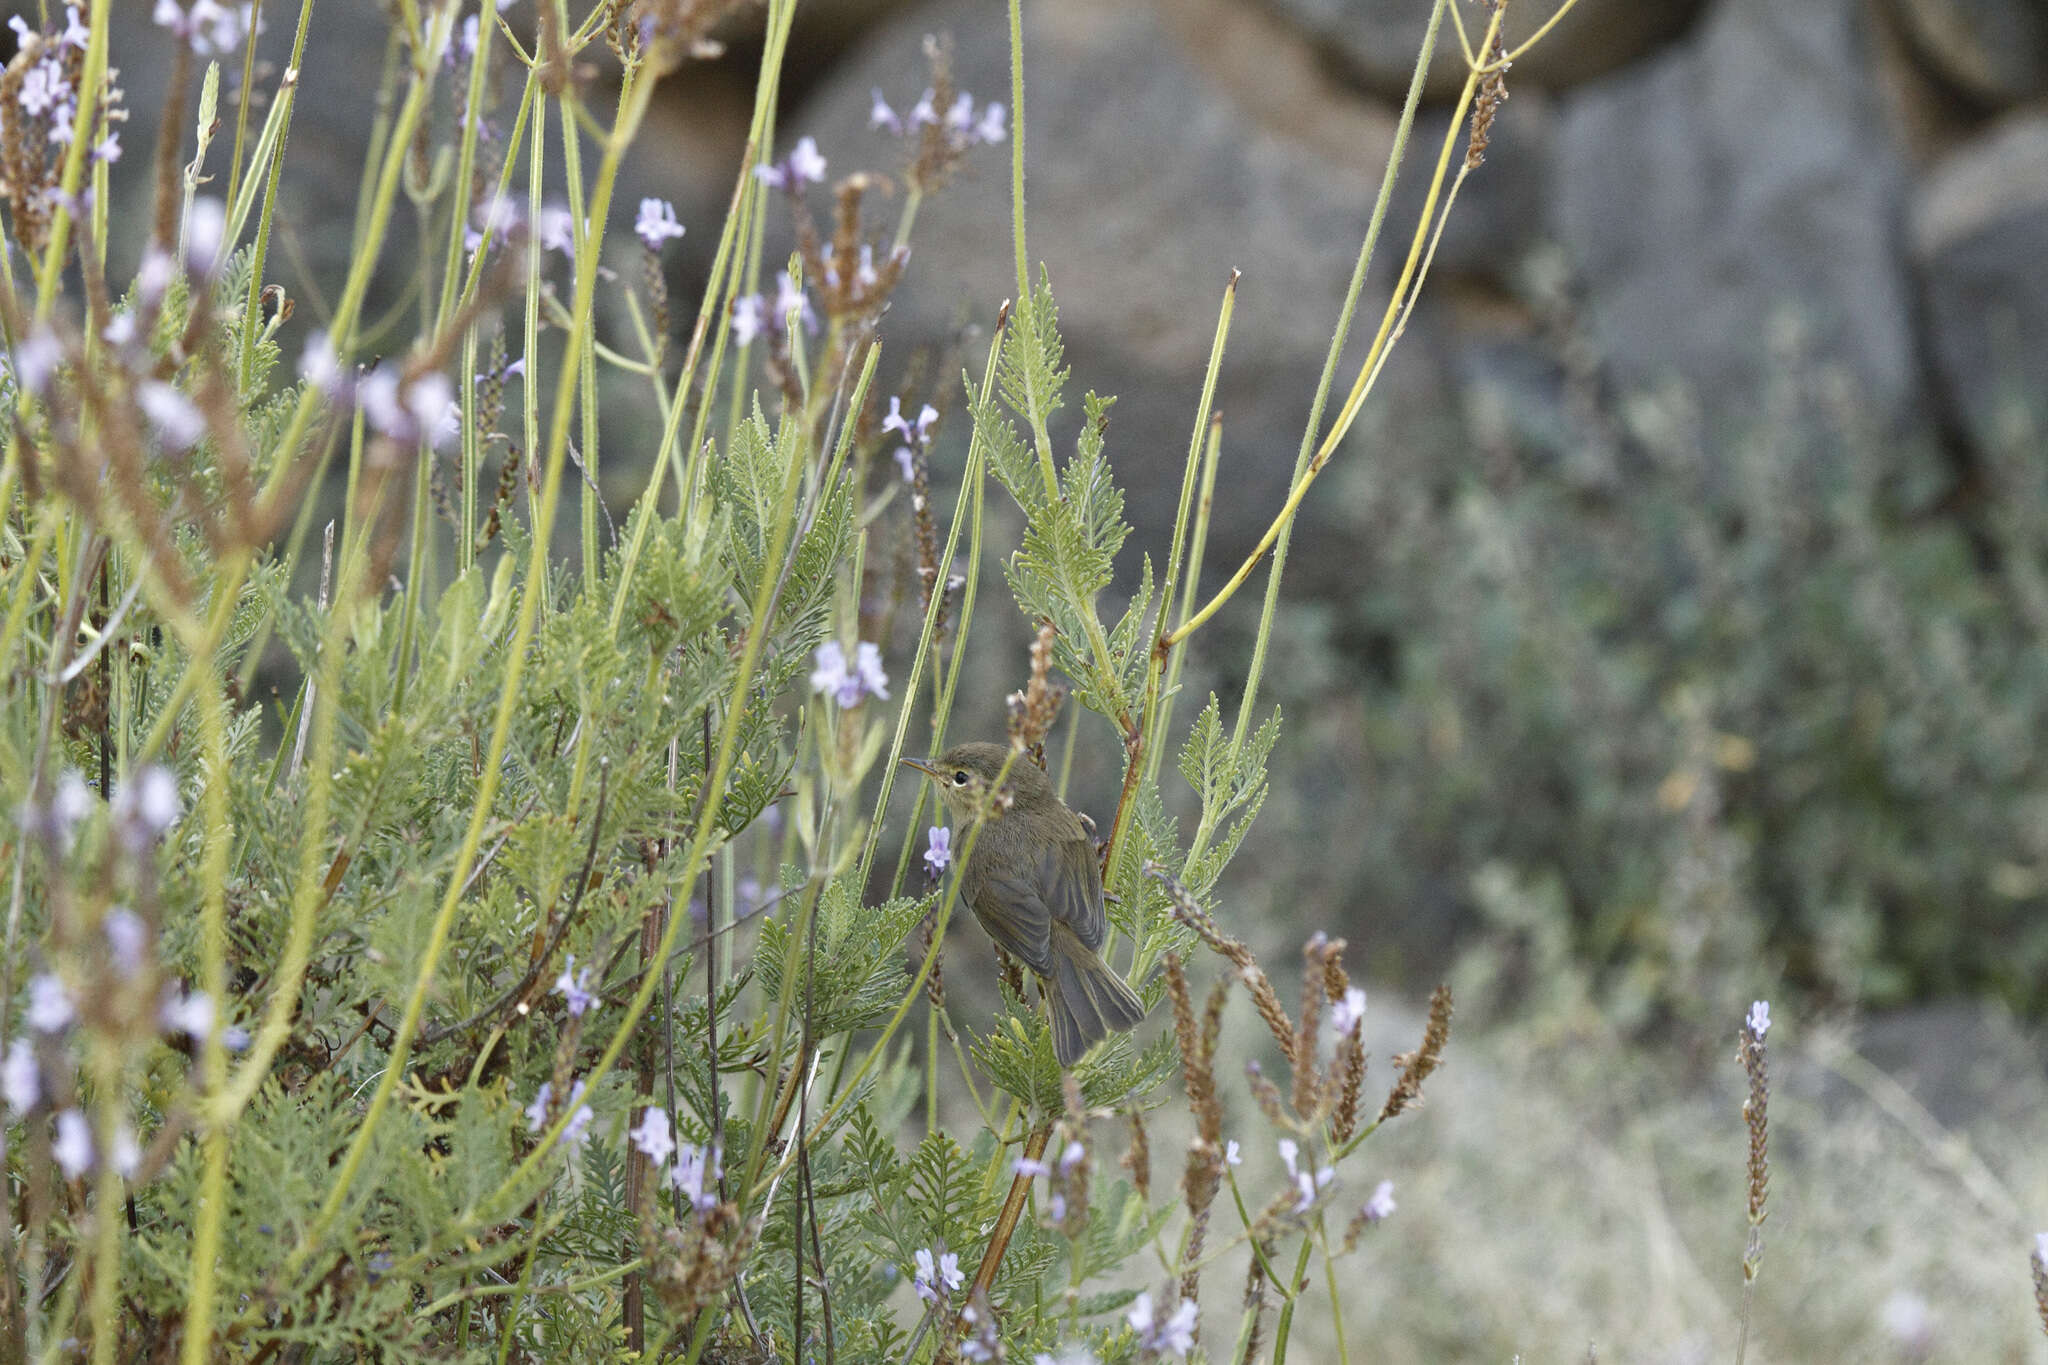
{"x": 1033, "y": 882}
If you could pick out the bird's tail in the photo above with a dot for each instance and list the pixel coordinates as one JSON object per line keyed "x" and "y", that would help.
{"x": 1087, "y": 999}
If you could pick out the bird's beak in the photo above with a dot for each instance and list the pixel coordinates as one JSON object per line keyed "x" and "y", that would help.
{"x": 923, "y": 765}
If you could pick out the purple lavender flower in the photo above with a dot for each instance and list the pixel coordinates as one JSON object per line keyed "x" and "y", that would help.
{"x": 577, "y": 1131}
{"x": 990, "y": 126}
{"x": 537, "y": 1112}
{"x": 1349, "y": 1013}
{"x": 918, "y": 432}
{"x": 127, "y": 1153}
{"x": 1232, "y": 1154}
{"x": 69, "y": 804}
{"x": 75, "y": 33}
{"x": 938, "y": 856}
{"x": 1175, "y": 1334}
{"x": 936, "y": 1281}
{"x": 1380, "y": 1207}
{"x": 413, "y": 410}
{"x": 73, "y": 1147}
{"x": 555, "y": 230}
{"x": 189, "y": 1014}
{"x": 653, "y": 1137}
{"x": 749, "y": 316}
{"x": 210, "y": 29}
{"x": 496, "y": 218}
{"x": 153, "y": 276}
{"x": 1308, "y": 1184}
{"x": 464, "y": 45}
{"x": 695, "y": 1174}
{"x": 147, "y": 804}
{"x": 573, "y": 986}
{"x": 49, "y": 1004}
{"x": 1072, "y": 1355}
{"x": 21, "y": 1082}
{"x": 981, "y": 1342}
{"x": 1759, "y": 1019}
{"x": 656, "y": 223}
{"x": 127, "y": 939}
{"x": 174, "y": 418}
{"x": 43, "y": 89}
{"x": 880, "y": 115}
{"x": 917, "y": 436}
{"x": 205, "y": 233}
{"x": 36, "y": 357}
{"x": 846, "y": 684}
{"x": 1028, "y": 1168}
{"x": 1073, "y": 1156}
{"x": 790, "y": 297}
{"x": 803, "y": 166}
{"x": 321, "y": 368}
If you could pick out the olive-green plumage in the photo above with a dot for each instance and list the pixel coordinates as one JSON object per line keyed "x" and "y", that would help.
{"x": 1034, "y": 883}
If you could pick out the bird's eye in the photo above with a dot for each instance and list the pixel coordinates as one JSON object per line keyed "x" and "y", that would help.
{"x": 960, "y": 778}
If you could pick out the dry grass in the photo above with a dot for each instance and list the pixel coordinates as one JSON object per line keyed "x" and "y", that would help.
{"x": 1562, "y": 1189}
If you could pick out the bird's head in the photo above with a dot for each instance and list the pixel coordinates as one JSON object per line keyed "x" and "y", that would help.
{"x": 966, "y": 774}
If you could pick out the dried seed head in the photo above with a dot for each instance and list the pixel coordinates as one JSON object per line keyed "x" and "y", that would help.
{"x": 1493, "y": 92}
{"x": 2040, "y": 1268}
{"x": 1347, "y": 1075}
{"x": 1308, "y": 1085}
{"x": 1415, "y": 1066}
{"x": 1266, "y": 1093}
{"x": 1187, "y": 912}
{"x": 1756, "y": 1116}
{"x": 1197, "y": 1054}
{"x": 935, "y": 984}
{"x": 1034, "y": 709}
{"x": 1138, "y": 1158}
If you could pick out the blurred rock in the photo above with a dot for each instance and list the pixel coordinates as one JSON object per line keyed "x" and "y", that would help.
{"x": 1374, "y": 42}
{"x": 1978, "y": 225}
{"x": 1996, "y": 51}
{"x": 1168, "y": 143}
{"x": 1927, "y": 114}
{"x": 1745, "y": 173}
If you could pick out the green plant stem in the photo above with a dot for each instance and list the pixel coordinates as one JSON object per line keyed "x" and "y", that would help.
{"x": 106, "y": 1225}
{"x": 1291, "y": 1292}
{"x": 1159, "y": 706}
{"x": 1336, "y": 1299}
{"x": 942, "y": 711}
{"x": 1311, "y": 467}
{"x": 92, "y": 76}
{"x": 273, "y": 147}
{"x": 633, "y": 98}
{"x": 977, "y": 451}
{"x": 209, "y": 1216}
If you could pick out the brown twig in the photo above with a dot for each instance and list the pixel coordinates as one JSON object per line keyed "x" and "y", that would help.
{"x": 1013, "y": 1207}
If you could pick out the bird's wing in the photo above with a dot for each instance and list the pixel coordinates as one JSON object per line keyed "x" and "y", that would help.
{"x": 1070, "y": 884}
{"x": 1011, "y": 910}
